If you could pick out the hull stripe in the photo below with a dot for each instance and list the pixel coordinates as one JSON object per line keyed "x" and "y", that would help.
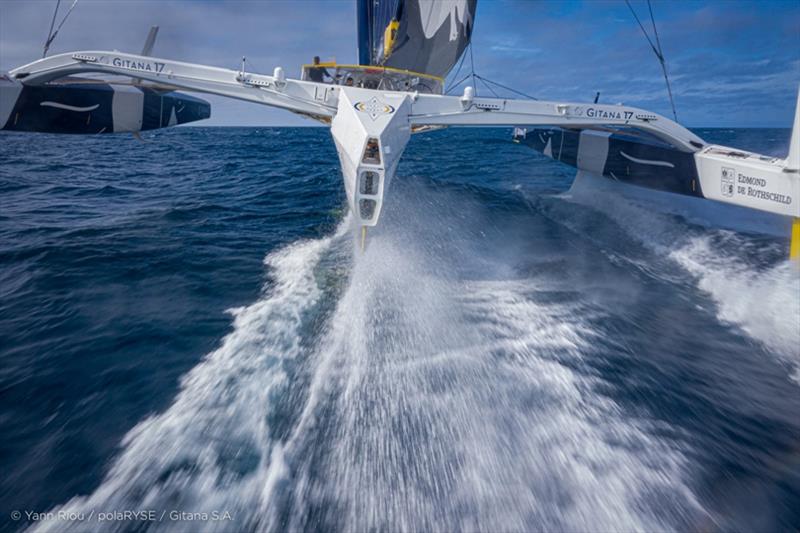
{"x": 646, "y": 161}
{"x": 69, "y": 107}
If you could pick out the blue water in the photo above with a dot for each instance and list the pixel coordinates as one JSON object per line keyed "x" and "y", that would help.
{"x": 186, "y": 327}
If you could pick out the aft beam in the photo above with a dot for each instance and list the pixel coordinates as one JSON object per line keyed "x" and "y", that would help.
{"x": 276, "y": 91}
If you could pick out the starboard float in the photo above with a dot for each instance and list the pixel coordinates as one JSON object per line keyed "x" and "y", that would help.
{"x": 712, "y": 172}
{"x": 406, "y": 48}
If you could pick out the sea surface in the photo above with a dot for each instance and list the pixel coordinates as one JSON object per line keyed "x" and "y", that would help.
{"x": 190, "y": 340}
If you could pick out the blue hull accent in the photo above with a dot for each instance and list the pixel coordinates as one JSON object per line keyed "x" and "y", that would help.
{"x": 89, "y": 108}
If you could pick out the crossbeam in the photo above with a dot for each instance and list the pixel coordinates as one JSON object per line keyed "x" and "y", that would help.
{"x": 321, "y": 99}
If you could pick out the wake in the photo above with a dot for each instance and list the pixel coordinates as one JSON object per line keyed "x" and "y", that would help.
{"x": 213, "y": 448}
{"x": 439, "y": 393}
{"x": 763, "y": 301}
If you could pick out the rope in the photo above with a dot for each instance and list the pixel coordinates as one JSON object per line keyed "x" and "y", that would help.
{"x": 644, "y": 31}
{"x": 656, "y": 49}
{"x": 488, "y": 87}
{"x": 457, "y": 84}
{"x": 50, "y": 31}
{"x": 663, "y": 62}
{"x": 460, "y": 63}
{"x": 475, "y": 77}
{"x": 52, "y": 37}
{"x": 655, "y": 30}
{"x": 472, "y": 67}
{"x": 485, "y": 81}
{"x": 507, "y": 88}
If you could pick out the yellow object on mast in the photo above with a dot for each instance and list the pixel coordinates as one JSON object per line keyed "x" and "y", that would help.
{"x": 389, "y": 37}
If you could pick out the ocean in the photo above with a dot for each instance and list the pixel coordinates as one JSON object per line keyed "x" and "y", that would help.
{"x": 190, "y": 340}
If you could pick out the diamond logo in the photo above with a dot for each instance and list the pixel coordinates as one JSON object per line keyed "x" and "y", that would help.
{"x": 374, "y": 108}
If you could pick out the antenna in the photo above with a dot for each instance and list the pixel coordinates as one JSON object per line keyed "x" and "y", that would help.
{"x": 241, "y": 72}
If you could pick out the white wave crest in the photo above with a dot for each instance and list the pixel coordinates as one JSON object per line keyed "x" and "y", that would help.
{"x": 765, "y": 304}
{"x": 429, "y": 401}
{"x": 213, "y": 449}
{"x": 446, "y": 404}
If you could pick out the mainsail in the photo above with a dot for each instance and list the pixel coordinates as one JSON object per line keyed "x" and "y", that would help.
{"x": 423, "y": 36}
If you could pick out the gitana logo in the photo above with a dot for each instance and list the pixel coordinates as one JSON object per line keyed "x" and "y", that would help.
{"x": 374, "y": 108}
{"x": 727, "y": 180}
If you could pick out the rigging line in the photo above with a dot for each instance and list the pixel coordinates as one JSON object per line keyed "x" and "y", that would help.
{"x": 488, "y": 87}
{"x": 655, "y": 29}
{"x": 507, "y": 88}
{"x": 52, "y": 37}
{"x": 50, "y": 31}
{"x": 460, "y": 63}
{"x": 457, "y": 84}
{"x": 644, "y": 31}
{"x": 472, "y": 66}
{"x": 663, "y": 61}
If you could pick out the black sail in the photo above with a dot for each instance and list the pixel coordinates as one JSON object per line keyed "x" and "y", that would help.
{"x": 430, "y": 35}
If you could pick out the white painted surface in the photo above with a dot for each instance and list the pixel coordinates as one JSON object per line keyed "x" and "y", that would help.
{"x": 593, "y": 150}
{"x": 9, "y": 92}
{"x": 126, "y": 108}
{"x": 758, "y": 182}
{"x": 363, "y": 114}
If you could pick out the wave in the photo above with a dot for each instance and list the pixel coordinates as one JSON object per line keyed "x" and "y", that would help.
{"x": 214, "y": 448}
{"x": 438, "y": 392}
{"x": 445, "y": 400}
{"x": 765, "y": 303}
{"x": 753, "y": 289}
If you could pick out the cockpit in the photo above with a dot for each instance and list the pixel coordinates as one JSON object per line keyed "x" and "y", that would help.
{"x": 373, "y": 77}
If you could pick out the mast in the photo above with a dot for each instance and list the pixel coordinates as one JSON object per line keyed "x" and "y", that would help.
{"x": 364, "y": 12}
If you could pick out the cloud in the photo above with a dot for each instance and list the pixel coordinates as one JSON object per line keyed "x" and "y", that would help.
{"x": 730, "y": 63}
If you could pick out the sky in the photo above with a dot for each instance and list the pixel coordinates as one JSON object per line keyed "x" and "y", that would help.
{"x": 731, "y": 62}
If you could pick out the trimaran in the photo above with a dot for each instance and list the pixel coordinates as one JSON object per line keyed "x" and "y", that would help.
{"x": 405, "y": 50}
